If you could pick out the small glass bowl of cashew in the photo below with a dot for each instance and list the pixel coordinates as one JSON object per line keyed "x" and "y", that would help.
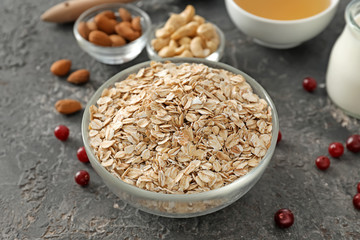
{"x": 186, "y": 35}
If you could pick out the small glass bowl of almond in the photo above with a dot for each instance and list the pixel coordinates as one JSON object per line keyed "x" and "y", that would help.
{"x": 113, "y": 33}
{"x": 186, "y": 35}
{"x": 181, "y": 137}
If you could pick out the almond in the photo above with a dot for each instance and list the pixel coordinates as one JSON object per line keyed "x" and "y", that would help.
{"x": 91, "y": 25}
{"x": 61, "y": 67}
{"x": 105, "y": 24}
{"x": 99, "y": 38}
{"x": 68, "y": 106}
{"x": 83, "y": 30}
{"x": 78, "y": 77}
{"x": 107, "y": 13}
{"x": 136, "y": 24}
{"x": 117, "y": 40}
{"x": 124, "y": 29}
{"x": 125, "y": 15}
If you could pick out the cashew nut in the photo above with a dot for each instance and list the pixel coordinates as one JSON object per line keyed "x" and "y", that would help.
{"x": 174, "y": 22}
{"x": 159, "y": 43}
{"x": 184, "y": 40}
{"x": 188, "y": 13}
{"x": 213, "y": 43}
{"x": 196, "y": 47}
{"x": 186, "y": 53}
{"x": 167, "y": 51}
{"x": 164, "y": 32}
{"x": 181, "y": 49}
{"x": 173, "y": 44}
{"x": 188, "y": 30}
{"x": 206, "y": 31}
{"x": 199, "y": 19}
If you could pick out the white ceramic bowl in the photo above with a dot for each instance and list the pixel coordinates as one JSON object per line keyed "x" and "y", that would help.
{"x": 280, "y": 33}
{"x": 180, "y": 205}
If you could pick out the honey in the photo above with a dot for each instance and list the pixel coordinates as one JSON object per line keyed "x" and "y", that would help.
{"x": 284, "y": 9}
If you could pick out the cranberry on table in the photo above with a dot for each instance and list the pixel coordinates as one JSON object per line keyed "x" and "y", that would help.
{"x": 358, "y": 187}
{"x": 322, "y": 162}
{"x": 353, "y": 143}
{"x": 356, "y": 201}
{"x": 309, "y": 84}
{"x": 279, "y": 137}
{"x": 336, "y": 149}
{"x": 284, "y": 218}
{"x": 81, "y": 155}
{"x": 82, "y": 178}
{"x": 61, "y": 132}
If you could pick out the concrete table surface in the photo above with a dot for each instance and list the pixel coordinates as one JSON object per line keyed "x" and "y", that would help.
{"x": 40, "y": 200}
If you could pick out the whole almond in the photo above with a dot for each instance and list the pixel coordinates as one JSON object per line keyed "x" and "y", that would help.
{"x": 105, "y": 24}
{"x": 83, "y": 30}
{"x": 79, "y": 77}
{"x": 117, "y": 40}
{"x": 108, "y": 13}
{"x": 136, "y": 24}
{"x": 124, "y": 29}
{"x": 67, "y": 106}
{"x": 61, "y": 67}
{"x": 91, "y": 25}
{"x": 125, "y": 15}
{"x": 99, "y": 38}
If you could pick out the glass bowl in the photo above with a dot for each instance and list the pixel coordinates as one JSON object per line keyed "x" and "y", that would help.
{"x": 215, "y": 56}
{"x": 180, "y": 205}
{"x": 114, "y": 55}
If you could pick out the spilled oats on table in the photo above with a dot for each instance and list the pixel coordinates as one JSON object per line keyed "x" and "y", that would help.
{"x": 179, "y": 129}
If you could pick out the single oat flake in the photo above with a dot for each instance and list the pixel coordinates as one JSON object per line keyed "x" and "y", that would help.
{"x": 179, "y": 129}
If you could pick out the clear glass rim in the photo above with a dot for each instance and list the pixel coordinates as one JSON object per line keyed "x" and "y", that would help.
{"x": 90, "y": 11}
{"x": 212, "y": 194}
{"x": 350, "y": 15}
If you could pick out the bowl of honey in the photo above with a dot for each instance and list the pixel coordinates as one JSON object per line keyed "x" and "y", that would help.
{"x": 281, "y": 24}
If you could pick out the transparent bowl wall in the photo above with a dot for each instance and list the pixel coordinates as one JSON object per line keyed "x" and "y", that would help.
{"x": 215, "y": 56}
{"x": 180, "y": 205}
{"x": 114, "y": 55}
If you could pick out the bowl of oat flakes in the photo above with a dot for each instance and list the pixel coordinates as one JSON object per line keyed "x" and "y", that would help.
{"x": 181, "y": 137}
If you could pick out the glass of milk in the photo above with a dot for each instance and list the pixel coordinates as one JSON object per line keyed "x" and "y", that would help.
{"x": 343, "y": 73}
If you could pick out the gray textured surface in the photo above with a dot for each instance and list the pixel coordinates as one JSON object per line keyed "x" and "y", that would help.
{"x": 39, "y": 198}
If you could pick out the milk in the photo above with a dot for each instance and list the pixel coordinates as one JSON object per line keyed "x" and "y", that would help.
{"x": 343, "y": 74}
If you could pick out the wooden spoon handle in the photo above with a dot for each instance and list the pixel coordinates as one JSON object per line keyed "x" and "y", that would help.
{"x": 70, "y": 10}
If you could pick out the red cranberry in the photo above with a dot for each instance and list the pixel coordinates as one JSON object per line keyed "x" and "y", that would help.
{"x": 279, "y": 137}
{"x": 81, "y": 155}
{"x": 322, "y": 162}
{"x": 61, "y": 132}
{"x": 309, "y": 84}
{"x": 353, "y": 143}
{"x": 82, "y": 178}
{"x": 336, "y": 149}
{"x": 358, "y": 187}
{"x": 284, "y": 218}
{"x": 356, "y": 201}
